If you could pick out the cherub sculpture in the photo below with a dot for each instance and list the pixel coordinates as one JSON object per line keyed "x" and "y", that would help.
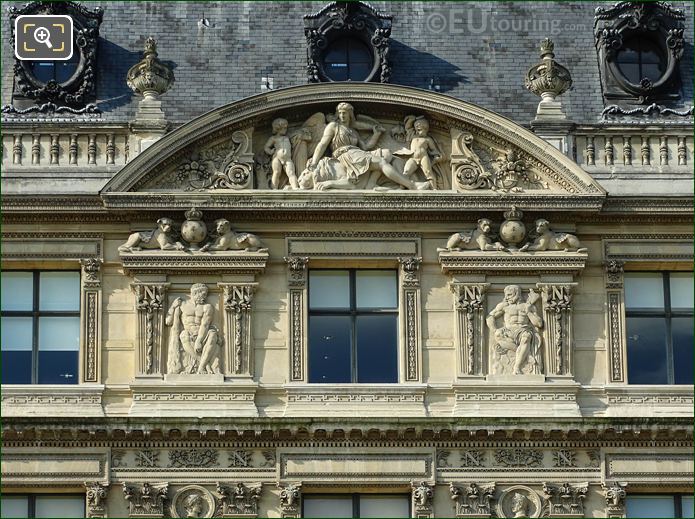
{"x": 160, "y": 238}
{"x": 228, "y": 239}
{"x": 424, "y": 152}
{"x": 479, "y": 239}
{"x": 280, "y": 148}
{"x": 546, "y": 239}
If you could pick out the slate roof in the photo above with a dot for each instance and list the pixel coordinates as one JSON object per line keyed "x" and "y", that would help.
{"x": 475, "y": 51}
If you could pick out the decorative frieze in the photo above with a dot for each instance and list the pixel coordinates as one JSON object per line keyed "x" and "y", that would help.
{"x": 148, "y": 500}
{"x": 96, "y": 494}
{"x": 182, "y": 458}
{"x": 519, "y": 457}
{"x": 473, "y": 500}
{"x": 149, "y": 304}
{"x": 237, "y": 300}
{"x": 469, "y": 303}
{"x": 557, "y": 333}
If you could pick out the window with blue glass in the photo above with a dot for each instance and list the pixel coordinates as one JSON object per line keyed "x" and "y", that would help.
{"x": 659, "y": 505}
{"x": 659, "y": 321}
{"x": 40, "y": 327}
{"x": 38, "y": 505}
{"x": 353, "y": 326}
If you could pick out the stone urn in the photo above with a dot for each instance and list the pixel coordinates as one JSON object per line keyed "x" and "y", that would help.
{"x": 194, "y": 230}
{"x": 513, "y": 230}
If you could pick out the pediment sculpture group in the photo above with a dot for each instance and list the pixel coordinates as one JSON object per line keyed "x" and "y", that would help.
{"x": 195, "y": 342}
{"x": 348, "y": 151}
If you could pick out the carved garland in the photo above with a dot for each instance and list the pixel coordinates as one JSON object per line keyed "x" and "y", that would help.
{"x": 616, "y": 318}
{"x": 237, "y": 304}
{"x": 469, "y": 306}
{"x": 149, "y": 305}
{"x": 91, "y": 294}
{"x": 410, "y": 286}
{"x": 296, "y": 279}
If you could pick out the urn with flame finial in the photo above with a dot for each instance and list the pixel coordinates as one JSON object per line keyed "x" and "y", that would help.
{"x": 194, "y": 230}
{"x": 513, "y": 230}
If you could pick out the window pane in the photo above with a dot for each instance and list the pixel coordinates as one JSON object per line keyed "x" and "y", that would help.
{"x": 650, "y": 506}
{"x": 327, "y": 506}
{"x": 16, "y": 334}
{"x": 646, "y": 350}
{"x": 330, "y": 343}
{"x": 59, "y": 291}
{"x": 59, "y": 333}
{"x": 329, "y": 289}
{"x": 59, "y": 506}
{"x": 15, "y": 506}
{"x": 681, "y": 290}
{"x": 377, "y": 351}
{"x": 59, "y": 342}
{"x": 682, "y": 337}
{"x": 687, "y": 506}
{"x": 644, "y": 290}
{"x": 384, "y": 506}
{"x": 376, "y": 289}
{"x": 17, "y": 291}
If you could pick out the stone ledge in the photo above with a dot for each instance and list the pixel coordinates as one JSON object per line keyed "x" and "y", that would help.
{"x": 194, "y": 398}
{"x": 176, "y": 262}
{"x": 312, "y": 400}
{"x": 650, "y": 400}
{"x": 479, "y": 262}
{"x": 52, "y": 400}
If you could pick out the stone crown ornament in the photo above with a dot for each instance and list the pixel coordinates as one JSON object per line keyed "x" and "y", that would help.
{"x": 150, "y": 77}
{"x": 548, "y": 79}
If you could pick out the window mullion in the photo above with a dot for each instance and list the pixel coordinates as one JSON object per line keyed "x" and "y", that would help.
{"x": 31, "y": 505}
{"x": 355, "y": 505}
{"x": 35, "y": 330}
{"x": 353, "y": 326}
{"x": 669, "y": 333}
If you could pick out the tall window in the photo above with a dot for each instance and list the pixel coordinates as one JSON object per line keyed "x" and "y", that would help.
{"x": 659, "y": 506}
{"x": 40, "y": 327}
{"x": 356, "y": 505}
{"x": 32, "y": 505}
{"x": 353, "y": 323}
{"x": 659, "y": 314}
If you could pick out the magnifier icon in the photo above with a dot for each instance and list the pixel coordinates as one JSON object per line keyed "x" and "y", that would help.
{"x": 42, "y": 35}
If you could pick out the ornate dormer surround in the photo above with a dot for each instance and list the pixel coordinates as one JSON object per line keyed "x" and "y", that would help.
{"x": 353, "y": 20}
{"x": 75, "y": 95}
{"x": 656, "y": 24}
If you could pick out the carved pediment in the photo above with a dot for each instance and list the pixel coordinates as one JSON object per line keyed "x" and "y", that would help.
{"x": 416, "y": 149}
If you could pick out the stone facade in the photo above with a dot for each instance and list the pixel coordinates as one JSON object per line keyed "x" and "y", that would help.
{"x": 195, "y": 236}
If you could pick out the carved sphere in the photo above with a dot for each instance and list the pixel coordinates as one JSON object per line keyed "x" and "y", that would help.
{"x": 194, "y": 232}
{"x": 512, "y": 232}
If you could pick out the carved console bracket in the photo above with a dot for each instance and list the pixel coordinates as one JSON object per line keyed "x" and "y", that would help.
{"x": 150, "y": 299}
{"x": 411, "y": 330}
{"x": 614, "y": 492}
{"x": 96, "y": 494}
{"x": 423, "y": 499}
{"x": 469, "y": 303}
{"x": 557, "y": 334}
{"x": 290, "y": 499}
{"x": 297, "y": 282}
{"x": 238, "y": 358}
{"x": 91, "y": 320}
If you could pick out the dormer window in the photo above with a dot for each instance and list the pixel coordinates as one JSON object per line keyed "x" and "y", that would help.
{"x": 347, "y": 41}
{"x": 59, "y": 86}
{"x": 639, "y": 49}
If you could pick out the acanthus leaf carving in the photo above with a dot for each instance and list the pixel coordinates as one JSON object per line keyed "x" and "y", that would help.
{"x": 566, "y": 500}
{"x": 147, "y": 500}
{"x": 239, "y": 500}
{"x": 290, "y": 499}
{"x": 473, "y": 500}
{"x": 96, "y": 494}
